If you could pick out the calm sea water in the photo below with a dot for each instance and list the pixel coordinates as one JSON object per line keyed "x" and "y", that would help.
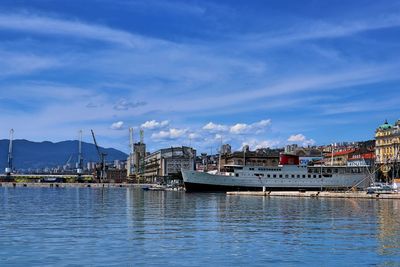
{"x": 130, "y": 227}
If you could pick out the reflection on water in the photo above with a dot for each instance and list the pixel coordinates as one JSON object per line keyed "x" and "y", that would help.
{"x": 389, "y": 227}
{"x": 122, "y": 226}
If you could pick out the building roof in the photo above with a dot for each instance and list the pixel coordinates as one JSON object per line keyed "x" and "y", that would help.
{"x": 385, "y": 126}
{"x": 341, "y": 153}
{"x": 370, "y": 155}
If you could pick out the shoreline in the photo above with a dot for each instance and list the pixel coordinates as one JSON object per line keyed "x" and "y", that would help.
{"x": 70, "y": 185}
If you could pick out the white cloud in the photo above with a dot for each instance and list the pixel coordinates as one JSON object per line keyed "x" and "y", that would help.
{"x": 212, "y": 127}
{"x": 119, "y": 125}
{"x": 256, "y": 127}
{"x": 297, "y": 138}
{"x": 194, "y": 136}
{"x": 261, "y": 124}
{"x": 239, "y": 128}
{"x": 257, "y": 144}
{"x": 218, "y": 137}
{"x": 300, "y": 138}
{"x": 153, "y": 124}
{"x": 309, "y": 142}
{"x": 172, "y": 133}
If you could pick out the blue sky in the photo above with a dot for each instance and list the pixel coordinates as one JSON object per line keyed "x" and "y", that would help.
{"x": 263, "y": 73}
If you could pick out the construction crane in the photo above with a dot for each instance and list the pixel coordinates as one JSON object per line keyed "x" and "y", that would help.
{"x": 67, "y": 164}
{"x": 101, "y": 171}
{"x": 9, "y": 167}
{"x": 79, "y": 170}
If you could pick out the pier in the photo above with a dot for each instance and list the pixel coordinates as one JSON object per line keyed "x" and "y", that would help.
{"x": 313, "y": 194}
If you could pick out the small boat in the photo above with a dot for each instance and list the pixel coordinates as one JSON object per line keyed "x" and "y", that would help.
{"x": 169, "y": 187}
{"x": 155, "y": 188}
{"x": 382, "y": 188}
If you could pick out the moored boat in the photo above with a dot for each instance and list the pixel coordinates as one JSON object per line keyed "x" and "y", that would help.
{"x": 288, "y": 176}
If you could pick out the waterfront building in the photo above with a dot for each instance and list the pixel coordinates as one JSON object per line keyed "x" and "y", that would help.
{"x": 387, "y": 143}
{"x": 260, "y": 157}
{"x": 115, "y": 175}
{"x": 207, "y": 162}
{"x": 135, "y": 161}
{"x": 226, "y": 149}
{"x": 167, "y": 163}
{"x": 307, "y": 155}
{"x": 339, "y": 158}
{"x": 361, "y": 159}
{"x": 387, "y": 149}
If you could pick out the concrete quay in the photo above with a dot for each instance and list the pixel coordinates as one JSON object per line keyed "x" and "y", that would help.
{"x": 65, "y": 185}
{"x": 313, "y": 194}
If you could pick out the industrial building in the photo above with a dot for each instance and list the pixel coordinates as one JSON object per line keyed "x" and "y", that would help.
{"x": 167, "y": 163}
{"x": 259, "y": 157}
{"x": 136, "y": 161}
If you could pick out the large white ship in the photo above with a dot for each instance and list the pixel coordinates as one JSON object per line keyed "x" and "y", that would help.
{"x": 287, "y": 176}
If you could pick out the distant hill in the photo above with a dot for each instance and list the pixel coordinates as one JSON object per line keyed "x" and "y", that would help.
{"x": 28, "y": 154}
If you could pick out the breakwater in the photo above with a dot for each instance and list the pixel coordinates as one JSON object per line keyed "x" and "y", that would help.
{"x": 310, "y": 194}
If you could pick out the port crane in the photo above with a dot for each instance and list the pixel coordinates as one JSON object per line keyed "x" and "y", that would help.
{"x": 101, "y": 169}
{"x": 67, "y": 164}
{"x": 9, "y": 167}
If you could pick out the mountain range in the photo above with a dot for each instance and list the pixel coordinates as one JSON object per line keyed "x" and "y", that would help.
{"x": 33, "y": 155}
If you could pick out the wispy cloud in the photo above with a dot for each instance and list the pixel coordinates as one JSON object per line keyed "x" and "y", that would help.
{"x": 25, "y": 63}
{"x": 75, "y": 28}
{"x": 153, "y": 124}
{"x": 200, "y": 85}
{"x": 123, "y": 104}
{"x": 312, "y": 30}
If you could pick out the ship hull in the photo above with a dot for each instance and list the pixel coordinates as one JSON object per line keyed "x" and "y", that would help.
{"x": 197, "y": 187}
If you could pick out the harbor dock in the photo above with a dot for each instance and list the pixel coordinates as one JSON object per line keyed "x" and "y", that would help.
{"x": 313, "y": 194}
{"x": 65, "y": 185}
